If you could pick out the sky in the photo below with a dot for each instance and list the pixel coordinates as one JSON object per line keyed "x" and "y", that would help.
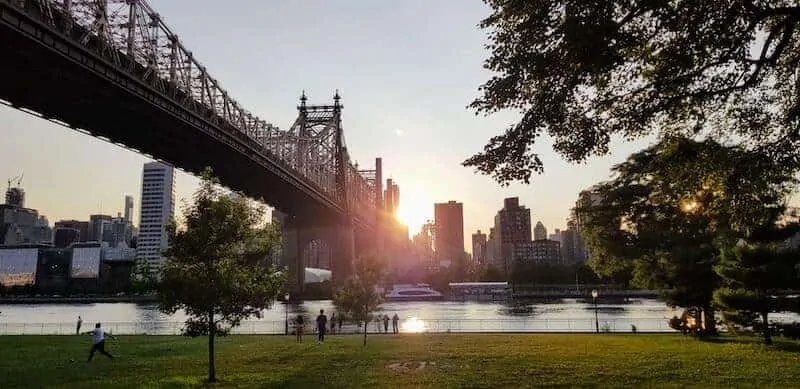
{"x": 406, "y": 70}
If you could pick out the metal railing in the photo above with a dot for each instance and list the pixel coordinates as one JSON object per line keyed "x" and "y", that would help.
{"x": 413, "y": 325}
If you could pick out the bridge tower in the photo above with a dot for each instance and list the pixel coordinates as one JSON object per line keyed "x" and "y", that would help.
{"x": 320, "y": 148}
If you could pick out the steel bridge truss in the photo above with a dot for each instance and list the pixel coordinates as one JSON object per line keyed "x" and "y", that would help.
{"x": 133, "y": 37}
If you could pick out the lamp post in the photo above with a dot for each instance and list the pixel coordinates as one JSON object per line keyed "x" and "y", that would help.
{"x": 596, "y": 322}
{"x": 286, "y": 313}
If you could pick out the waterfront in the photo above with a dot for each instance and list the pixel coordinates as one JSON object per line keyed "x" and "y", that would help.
{"x": 647, "y": 315}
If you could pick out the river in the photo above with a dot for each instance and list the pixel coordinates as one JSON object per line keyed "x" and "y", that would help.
{"x": 567, "y": 315}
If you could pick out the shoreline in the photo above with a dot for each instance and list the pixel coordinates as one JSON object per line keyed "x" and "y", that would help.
{"x": 77, "y": 300}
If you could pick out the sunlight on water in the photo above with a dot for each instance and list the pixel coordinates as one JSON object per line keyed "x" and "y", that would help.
{"x": 413, "y": 325}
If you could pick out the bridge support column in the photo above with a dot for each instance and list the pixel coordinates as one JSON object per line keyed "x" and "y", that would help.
{"x": 344, "y": 253}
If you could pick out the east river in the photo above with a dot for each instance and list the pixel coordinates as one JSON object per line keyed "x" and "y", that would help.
{"x": 567, "y": 315}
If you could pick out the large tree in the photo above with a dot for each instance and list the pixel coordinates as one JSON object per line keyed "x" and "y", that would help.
{"x": 755, "y": 274}
{"x": 218, "y": 264}
{"x": 358, "y": 297}
{"x": 669, "y": 208}
{"x": 584, "y": 71}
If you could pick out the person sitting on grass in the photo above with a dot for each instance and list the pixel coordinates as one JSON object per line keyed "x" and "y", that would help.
{"x": 99, "y": 342}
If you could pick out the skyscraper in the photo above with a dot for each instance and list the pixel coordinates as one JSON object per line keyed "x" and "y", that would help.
{"x": 539, "y": 232}
{"x": 156, "y": 210}
{"x": 128, "y": 209}
{"x": 512, "y": 226}
{"x": 479, "y": 247}
{"x": 449, "y": 230}
{"x": 391, "y": 196}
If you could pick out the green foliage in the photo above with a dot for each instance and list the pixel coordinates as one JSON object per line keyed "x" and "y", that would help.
{"x": 489, "y": 273}
{"x": 553, "y": 274}
{"x": 358, "y": 297}
{"x": 754, "y": 275}
{"x": 585, "y": 72}
{"x": 144, "y": 278}
{"x": 217, "y": 267}
{"x": 664, "y": 216}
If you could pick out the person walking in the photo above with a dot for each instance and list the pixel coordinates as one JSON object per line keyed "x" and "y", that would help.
{"x": 395, "y": 324}
{"x": 322, "y": 325}
{"x": 78, "y": 327}
{"x": 98, "y": 342}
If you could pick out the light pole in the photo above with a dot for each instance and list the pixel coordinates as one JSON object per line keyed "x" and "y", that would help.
{"x": 286, "y": 313}
{"x": 596, "y": 322}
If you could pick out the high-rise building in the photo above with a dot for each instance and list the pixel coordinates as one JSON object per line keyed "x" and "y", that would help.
{"x": 15, "y": 197}
{"x": 539, "y": 232}
{"x": 156, "y": 211}
{"x": 64, "y": 237}
{"x": 81, "y": 226}
{"x": 129, "y": 209}
{"x": 449, "y": 230}
{"x": 391, "y": 196}
{"x": 556, "y": 235}
{"x": 479, "y": 247}
{"x": 512, "y": 225}
{"x": 99, "y": 227}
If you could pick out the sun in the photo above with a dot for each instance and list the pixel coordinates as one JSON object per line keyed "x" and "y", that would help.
{"x": 415, "y": 209}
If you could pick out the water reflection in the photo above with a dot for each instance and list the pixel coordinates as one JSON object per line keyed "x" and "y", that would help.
{"x": 413, "y": 325}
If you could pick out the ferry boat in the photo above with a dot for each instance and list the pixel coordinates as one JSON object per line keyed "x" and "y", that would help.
{"x": 412, "y": 292}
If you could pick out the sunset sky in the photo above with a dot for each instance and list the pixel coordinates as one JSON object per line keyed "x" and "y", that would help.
{"x": 406, "y": 71}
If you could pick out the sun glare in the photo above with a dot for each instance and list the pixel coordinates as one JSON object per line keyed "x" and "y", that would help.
{"x": 413, "y": 325}
{"x": 415, "y": 209}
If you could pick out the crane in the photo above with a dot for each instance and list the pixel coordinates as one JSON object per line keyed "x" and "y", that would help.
{"x": 17, "y": 179}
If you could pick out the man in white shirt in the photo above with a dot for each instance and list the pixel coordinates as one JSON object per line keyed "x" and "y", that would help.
{"x": 98, "y": 342}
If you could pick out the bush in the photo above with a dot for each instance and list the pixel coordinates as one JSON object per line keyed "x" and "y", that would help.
{"x": 791, "y": 331}
{"x": 196, "y": 328}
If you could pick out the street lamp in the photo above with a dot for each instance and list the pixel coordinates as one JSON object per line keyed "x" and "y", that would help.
{"x": 286, "y": 313}
{"x": 596, "y": 322}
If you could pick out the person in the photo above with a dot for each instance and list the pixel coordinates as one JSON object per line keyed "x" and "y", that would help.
{"x": 98, "y": 342}
{"x": 395, "y": 322}
{"x": 333, "y": 322}
{"x": 385, "y": 324}
{"x": 341, "y": 319}
{"x": 78, "y": 328}
{"x": 298, "y": 328}
{"x": 322, "y": 324}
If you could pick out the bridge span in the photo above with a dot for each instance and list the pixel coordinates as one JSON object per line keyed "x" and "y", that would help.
{"x": 113, "y": 69}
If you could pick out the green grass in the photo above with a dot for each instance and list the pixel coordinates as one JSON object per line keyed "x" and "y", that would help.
{"x": 453, "y": 361}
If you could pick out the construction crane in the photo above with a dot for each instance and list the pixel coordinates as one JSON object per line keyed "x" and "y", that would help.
{"x": 17, "y": 179}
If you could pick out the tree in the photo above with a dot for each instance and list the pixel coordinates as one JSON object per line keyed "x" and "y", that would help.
{"x": 754, "y": 276}
{"x": 359, "y": 297}
{"x": 664, "y": 216}
{"x": 217, "y": 267}
{"x": 144, "y": 277}
{"x": 585, "y": 71}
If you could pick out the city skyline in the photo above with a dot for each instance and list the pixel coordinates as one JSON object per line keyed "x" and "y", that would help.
{"x": 408, "y": 109}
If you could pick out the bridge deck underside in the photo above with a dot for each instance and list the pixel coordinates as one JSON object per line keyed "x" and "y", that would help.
{"x": 36, "y": 77}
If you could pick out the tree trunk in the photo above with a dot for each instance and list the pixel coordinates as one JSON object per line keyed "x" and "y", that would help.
{"x": 765, "y": 328}
{"x": 366, "y": 323}
{"x": 709, "y": 322}
{"x": 212, "y": 329}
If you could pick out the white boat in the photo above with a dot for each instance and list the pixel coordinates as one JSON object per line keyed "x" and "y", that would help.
{"x": 412, "y": 292}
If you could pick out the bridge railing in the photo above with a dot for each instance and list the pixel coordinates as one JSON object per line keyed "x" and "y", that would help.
{"x": 511, "y": 325}
{"x": 133, "y": 37}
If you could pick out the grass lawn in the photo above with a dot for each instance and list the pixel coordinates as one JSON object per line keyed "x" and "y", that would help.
{"x": 454, "y": 361}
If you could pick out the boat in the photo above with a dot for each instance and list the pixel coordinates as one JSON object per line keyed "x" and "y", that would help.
{"x": 412, "y": 292}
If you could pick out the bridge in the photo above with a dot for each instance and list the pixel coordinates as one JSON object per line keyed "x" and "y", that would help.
{"x": 114, "y": 70}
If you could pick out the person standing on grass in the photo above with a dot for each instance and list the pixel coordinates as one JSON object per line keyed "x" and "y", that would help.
{"x": 395, "y": 322}
{"x": 78, "y": 327}
{"x": 385, "y": 324}
{"x": 340, "y": 318}
{"x": 298, "y": 328}
{"x": 333, "y": 322}
{"x": 322, "y": 325}
{"x": 98, "y": 342}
